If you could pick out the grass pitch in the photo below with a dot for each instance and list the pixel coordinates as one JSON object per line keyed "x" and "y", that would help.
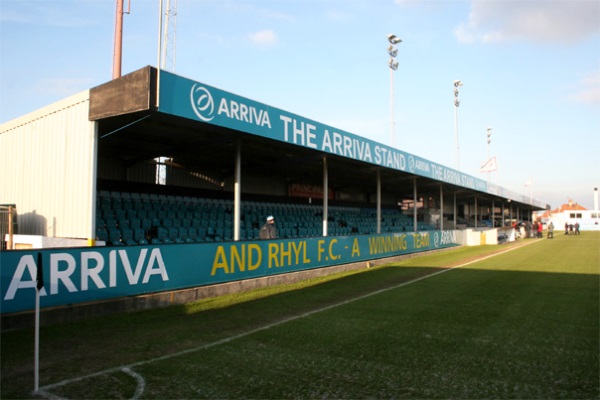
{"x": 520, "y": 324}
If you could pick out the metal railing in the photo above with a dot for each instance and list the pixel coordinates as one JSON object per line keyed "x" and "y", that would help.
{"x": 8, "y": 225}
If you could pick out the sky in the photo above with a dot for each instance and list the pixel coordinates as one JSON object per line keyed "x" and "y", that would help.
{"x": 530, "y": 72}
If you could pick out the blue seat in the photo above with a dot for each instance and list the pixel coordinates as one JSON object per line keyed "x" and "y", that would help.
{"x": 102, "y": 234}
{"x": 114, "y": 237}
{"x": 174, "y": 235}
{"x": 127, "y": 237}
{"x": 162, "y": 236}
{"x": 139, "y": 235}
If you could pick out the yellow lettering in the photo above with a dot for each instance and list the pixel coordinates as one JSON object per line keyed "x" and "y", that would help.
{"x": 220, "y": 261}
{"x": 286, "y": 252}
{"x": 421, "y": 240}
{"x": 273, "y": 250}
{"x": 304, "y": 259}
{"x": 320, "y": 249}
{"x": 240, "y": 258}
{"x": 296, "y": 247}
{"x": 254, "y": 248}
{"x": 355, "y": 248}
{"x": 331, "y": 255}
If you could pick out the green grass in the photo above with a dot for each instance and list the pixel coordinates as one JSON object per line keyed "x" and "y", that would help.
{"x": 521, "y": 324}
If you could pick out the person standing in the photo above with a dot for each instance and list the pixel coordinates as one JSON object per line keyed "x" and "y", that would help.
{"x": 268, "y": 230}
{"x": 540, "y": 229}
{"x": 551, "y": 230}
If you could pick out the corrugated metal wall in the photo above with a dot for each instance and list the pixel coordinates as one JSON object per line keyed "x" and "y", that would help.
{"x": 48, "y": 161}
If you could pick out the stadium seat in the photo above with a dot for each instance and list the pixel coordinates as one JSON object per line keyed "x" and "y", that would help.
{"x": 127, "y": 237}
{"x": 173, "y": 236}
{"x": 139, "y": 236}
{"x": 162, "y": 236}
{"x": 102, "y": 234}
{"x": 114, "y": 237}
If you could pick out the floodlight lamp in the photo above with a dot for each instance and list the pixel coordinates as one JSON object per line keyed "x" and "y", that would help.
{"x": 458, "y": 83}
{"x": 393, "y": 64}
{"x": 392, "y": 51}
{"x": 393, "y": 39}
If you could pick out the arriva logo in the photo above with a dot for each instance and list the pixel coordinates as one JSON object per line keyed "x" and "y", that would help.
{"x": 202, "y": 103}
{"x": 411, "y": 164}
{"x": 90, "y": 270}
{"x": 205, "y": 108}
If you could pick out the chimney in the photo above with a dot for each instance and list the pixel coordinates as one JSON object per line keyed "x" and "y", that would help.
{"x": 596, "y": 199}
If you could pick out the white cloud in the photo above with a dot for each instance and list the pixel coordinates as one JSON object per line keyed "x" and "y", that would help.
{"x": 562, "y": 21}
{"x": 588, "y": 89}
{"x": 266, "y": 37}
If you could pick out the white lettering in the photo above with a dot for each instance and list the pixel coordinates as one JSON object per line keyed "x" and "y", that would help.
{"x": 17, "y": 282}
{"x": 156, "y": 257}
{"x": 286, "y": 123}
{"x": 245, "y": 113}
{"x": 65, "y": 276}
{"x": 94, "y": 273}
{"x": 64, "y": 268}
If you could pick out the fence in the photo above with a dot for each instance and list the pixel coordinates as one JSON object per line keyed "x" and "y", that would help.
{"x": 8, "y": 225}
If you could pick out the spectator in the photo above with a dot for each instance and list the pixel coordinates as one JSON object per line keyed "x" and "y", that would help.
{"x": 527, "y": 229}
{"x": 551, "y": 230}
{"x": 268, "y": 230}
{"x": 540, "y": 228}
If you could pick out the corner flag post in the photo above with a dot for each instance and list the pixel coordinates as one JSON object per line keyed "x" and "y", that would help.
{"x": 39, "y": 286}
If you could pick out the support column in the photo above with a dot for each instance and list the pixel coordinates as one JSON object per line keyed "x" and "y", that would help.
{"x": 415, "y": 204}
{"x": 325, "y": 195}
{"x": 455, "y": 210}
{"x": 476, "y": 212}
{"x": 237, "y": 191}
{"x": 378, "y": 201}
{"x": 441, "y": 208}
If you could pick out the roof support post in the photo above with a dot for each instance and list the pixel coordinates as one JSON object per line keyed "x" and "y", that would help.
{"x": 441, "y": 208}
{"x": 237, "y": 190}
{"x": 476, "y": 212}
{"x": 325, "y": 195}
{"x": 378, "y": 201}
{"x": 455, "y": 210}
{"x": 415, "y": 204}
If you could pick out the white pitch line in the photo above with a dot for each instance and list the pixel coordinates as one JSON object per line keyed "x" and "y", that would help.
{"x": 139, "y": 391}
{"x": 127, "y": 368}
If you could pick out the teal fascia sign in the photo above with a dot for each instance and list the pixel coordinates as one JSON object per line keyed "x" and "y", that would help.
{"x": 79, "y": 275}
{"x": 197, "y": 101}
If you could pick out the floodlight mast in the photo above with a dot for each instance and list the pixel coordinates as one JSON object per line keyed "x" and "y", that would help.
{"x": 489, "y": 141}
{"x": 457, "y": 83}
{"x": 118, "y": 44}
{"x": 393, "y": 64}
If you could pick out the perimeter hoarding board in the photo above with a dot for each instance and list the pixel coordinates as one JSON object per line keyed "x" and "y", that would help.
{"x": 197, "y": 101}
{"x": 78, "y": 275}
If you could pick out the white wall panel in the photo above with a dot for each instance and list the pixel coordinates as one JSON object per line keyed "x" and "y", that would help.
{"x": 47, "y": 161}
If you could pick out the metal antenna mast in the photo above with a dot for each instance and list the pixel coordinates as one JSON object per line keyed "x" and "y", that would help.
{"x": 169, "y": 38}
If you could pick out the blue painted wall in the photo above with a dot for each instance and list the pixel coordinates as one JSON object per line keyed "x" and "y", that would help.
{"x": 77, "y": 275}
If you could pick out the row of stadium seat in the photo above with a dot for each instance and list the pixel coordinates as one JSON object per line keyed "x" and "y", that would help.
{"x": 137, "y": 218}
